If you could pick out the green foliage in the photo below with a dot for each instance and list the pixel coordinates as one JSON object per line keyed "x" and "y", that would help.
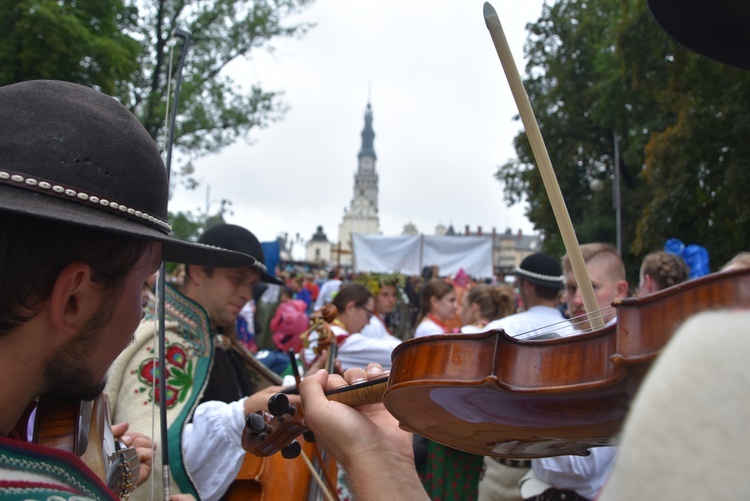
{"x": 186, "y": 226}
{"x": 82, "y": 42}
{"x": 214, "y": 110}
{"x": 123, "y": 47}
{"x": 600, "y": 68}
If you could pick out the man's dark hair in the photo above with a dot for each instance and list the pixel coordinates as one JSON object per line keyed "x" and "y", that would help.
{"x": 544, "y": 292}
{"x": 33, "y": 251}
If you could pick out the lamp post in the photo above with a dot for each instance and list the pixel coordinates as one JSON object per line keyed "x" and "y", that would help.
{"x": 616, "y": 195}
{"x": 224, "y": 208}
{"x": 597, "y": 185}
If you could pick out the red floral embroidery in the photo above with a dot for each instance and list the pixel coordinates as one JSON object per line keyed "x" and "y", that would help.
{"x": 176, "y": 356}
{"x": 178, "y": 374}
{"x": 149, "y": 371}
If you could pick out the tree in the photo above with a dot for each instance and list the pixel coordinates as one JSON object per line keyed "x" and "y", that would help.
{"x": 81, "y": 42}
{"x": 214, "y": 110}
{"x": 603, "y": 68}
{"x": 124, "y": 49}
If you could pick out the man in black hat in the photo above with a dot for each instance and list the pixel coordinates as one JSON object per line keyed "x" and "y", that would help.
{"x": 83, "y": 202}
{"x": 214, "y": 382}
{"x": 539, "y": 280}
{"x": 581, "y": 477}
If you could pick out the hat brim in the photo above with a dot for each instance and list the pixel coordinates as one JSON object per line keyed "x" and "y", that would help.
{"x": 32, "y": 204}
{"x": 718, "y": 29}
{"x": 269, "y": 279}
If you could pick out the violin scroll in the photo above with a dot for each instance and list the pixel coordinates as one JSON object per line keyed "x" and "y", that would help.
{"x": 266, "y": 433}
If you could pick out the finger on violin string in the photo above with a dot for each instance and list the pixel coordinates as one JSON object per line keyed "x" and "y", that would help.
{"x": 355, "y": 375}
{"x": 375, "y": 370}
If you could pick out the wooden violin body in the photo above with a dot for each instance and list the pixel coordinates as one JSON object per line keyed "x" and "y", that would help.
{"x": 83, "y": 428}
{"x": 493, "y": 395}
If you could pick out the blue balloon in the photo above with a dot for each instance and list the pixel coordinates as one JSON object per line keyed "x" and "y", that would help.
{"x": 674, "y": 246}
{"x": 696, "y": 257}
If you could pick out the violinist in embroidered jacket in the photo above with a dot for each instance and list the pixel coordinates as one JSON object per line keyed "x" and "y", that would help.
{"x": 83, "y": 202}
{"x": 212, "y": 381}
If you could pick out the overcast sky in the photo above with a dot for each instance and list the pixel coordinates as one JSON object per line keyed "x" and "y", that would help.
{"x": 442, "y": 116}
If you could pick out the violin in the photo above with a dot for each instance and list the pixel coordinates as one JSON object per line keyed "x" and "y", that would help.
{"x": 494, "y": 395}
{"x": 82, "y": 427}
{"x": 286, "y": 476}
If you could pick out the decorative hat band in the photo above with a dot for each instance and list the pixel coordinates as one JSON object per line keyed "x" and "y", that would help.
{"x": 60, "y": 190}
{"x": 539, "y": 276}
{"x": 259, "y": 265}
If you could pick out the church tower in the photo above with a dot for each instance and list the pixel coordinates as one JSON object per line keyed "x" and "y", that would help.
{"x": 362, "y": 214}
{"x": 366, "y": 179}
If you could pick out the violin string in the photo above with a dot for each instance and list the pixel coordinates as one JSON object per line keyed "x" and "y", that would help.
{"x": 562, "y": 326}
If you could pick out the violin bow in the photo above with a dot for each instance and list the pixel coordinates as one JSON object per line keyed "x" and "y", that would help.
{"x": 161, "y": 279}
{"x": 544, "y": 164}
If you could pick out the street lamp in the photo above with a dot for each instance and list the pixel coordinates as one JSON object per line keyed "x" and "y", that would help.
{"x": 597, "y": 185}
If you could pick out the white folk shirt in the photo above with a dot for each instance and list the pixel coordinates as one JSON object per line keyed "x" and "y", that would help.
{"x": 358, "y": 350}
{"x": 535, "y": 321}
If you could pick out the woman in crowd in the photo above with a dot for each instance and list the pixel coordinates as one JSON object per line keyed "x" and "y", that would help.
{"x": 660, "y": 270}
{"x": 484, "y": 303}
{"x": 438, "y": 304}
{"x": 351, "y": 309}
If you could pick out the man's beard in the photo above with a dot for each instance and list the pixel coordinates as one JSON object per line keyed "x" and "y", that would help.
{"x": 67, "y": 374}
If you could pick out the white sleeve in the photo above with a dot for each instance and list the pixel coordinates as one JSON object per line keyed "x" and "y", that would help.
{"x": 584, "y": 474}
{"x": 212, "y": 446}
{"x": 359, "y": 350}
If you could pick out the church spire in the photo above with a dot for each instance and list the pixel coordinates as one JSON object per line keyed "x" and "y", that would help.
{"x": 368, "y": 136}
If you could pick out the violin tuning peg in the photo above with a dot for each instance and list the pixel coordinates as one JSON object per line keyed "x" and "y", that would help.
{"x": 291, "y": 450}
{"x": 278, "y": 405}
{"x": 309, "y": 436}
{"x": 255, "y": 422}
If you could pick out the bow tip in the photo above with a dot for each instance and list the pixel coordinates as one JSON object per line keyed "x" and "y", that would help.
{"x": 489, "y": 11}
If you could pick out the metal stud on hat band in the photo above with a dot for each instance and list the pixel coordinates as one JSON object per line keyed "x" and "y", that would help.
{"x": 70, "y": 193}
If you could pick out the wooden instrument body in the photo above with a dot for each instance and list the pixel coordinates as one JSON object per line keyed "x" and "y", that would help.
{"x": 493, "y": 395}
{"x": 83, "y": 428}
{"x": 275, "y": 478}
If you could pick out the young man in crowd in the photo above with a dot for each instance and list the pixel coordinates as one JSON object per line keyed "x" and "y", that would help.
{"x": 212, "y": 380}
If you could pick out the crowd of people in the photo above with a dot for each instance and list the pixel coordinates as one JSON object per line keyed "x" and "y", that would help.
{"x": 83, "y": 198}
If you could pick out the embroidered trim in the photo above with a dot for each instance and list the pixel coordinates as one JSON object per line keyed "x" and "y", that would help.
{"x": 60, "y": 190}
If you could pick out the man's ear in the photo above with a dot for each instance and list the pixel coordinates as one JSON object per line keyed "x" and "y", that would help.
{"x": 622, "y": 289}
{"x": 195, "y": 275}
{"x": 74, "y": 298}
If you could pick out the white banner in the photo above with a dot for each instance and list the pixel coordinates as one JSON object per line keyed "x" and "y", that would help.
{"x": 379, "y": 254}
{"x": 450, "y": 254}
{"x": 409, "y": 254}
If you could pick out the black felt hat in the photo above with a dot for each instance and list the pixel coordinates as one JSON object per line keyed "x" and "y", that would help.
{"x": 71, "y": 154}
{"x": 719, "y": 29}
{"x": 541, "y": 269}
{"x": 238, "y": 239}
